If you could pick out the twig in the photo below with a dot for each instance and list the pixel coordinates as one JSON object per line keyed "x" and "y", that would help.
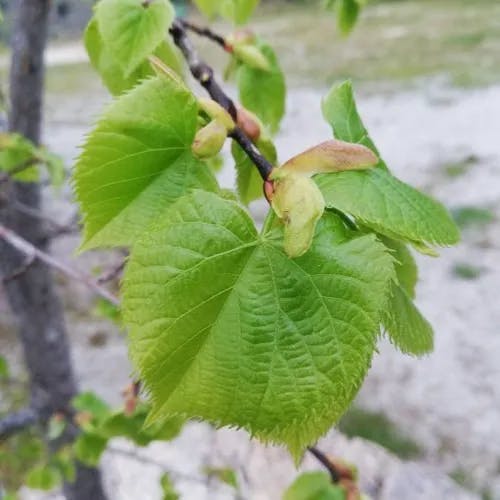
{"x": 58, "y": 229}
{"x": 205, "y": 76}
{"x": 326, "y": 462}
{"x": 112, "y": 273}
{"x": 29, "y": 250}
{"x": 16, "y": 422}
{"x": 205, "y": 32}
{"x": 24, "y": 165}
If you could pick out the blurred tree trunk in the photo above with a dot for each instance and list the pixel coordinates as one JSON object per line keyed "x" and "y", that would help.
{"x": 36, "y": 307}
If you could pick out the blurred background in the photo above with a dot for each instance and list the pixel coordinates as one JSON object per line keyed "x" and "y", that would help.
{"x": 427, "y": 78}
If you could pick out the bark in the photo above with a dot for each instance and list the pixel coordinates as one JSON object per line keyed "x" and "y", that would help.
{"x": 32, "y": 297}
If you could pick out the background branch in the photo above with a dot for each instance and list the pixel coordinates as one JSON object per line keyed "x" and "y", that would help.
{"x": 31, "y": 251}
{"x": 16, "y": 422}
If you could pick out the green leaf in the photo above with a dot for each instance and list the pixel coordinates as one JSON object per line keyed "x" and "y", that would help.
{"x": 248, "y": 180}
{"x": 132, "y": 427}
{"x": 63, "y": 461}
{"x": 405, "y": 265}
{"x": 168, "y": 489}
{"x": 137, "y": 161}
{"x": 314, "y": 486}
{"x": 224, "y": 326}
{"x": 385, "y": 204}
{"x": 4, "y": 368}
{"x": 133, "y": 29}
{"x": 238, "y": 11}
{"x": 407, "y": 329}
{"x": 89, "y": 447}
{"x": 90, "y": 402}
{"x": 263, "y": 92}
{"x": 18, "y": 152}
{"x": 347, "y": 12}
{"x": 223, "y": 474}
{"x": 340, "y": 111}
{"x": 43, "y": 478}
{"x": 111, "y": 72}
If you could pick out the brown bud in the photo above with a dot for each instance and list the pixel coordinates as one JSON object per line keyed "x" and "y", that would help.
{"x": 249, "y": 124}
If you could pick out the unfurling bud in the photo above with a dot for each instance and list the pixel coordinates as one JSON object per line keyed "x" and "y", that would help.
{"x": 240, "y": 37}
{"x": 216, "y": 112}
{"x": 249, "y": 123}
{"x": 209, "y": 140}
{"x": 298, "y": 202}
{"x": 331, "y": 156}
{"x": 252, "y": 56}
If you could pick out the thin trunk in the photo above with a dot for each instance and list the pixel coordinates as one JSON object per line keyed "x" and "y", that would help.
{"x": 31, "y": 294}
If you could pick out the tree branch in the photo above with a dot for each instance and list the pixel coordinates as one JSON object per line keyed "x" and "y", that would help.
{"x": 16, "y": 422}
{"x": 202, "y": 72}
{"x": 204, "y": 32}
{"x": 326, "y": 462}
{"x": 31, "y": 251}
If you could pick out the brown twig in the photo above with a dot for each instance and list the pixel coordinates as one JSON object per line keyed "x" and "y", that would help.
{"x": 204, "y": 32}
{"x": 205, "y": 76}
{"x": 30, "y": 250}
{"x": 326, "y": 462}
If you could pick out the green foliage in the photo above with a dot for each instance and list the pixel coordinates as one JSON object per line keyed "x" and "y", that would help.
{"x": 137, "y": 161}
{"x": 263, "y": 91}
{"x": 21, "y": 157}
{"x": 4, "y": 368}
{"x": 270, "y": 332}
{"x": 467, "y": 271}
{"x": 347, "y": 12}
{"x": 223, "y": 474}
{"x": 238, "y": 350}
{"x": 133, "y": 29}
{"x": 112, "y": 74}
{"x": 168, "y": 489}
{"x": 43, "y": 478}
{"x": 314, "y": 486}
{"x": 238, "y": 11}
{"x": 472, "y": 217}
{"x": 89, "y": 447}
{"x": 376, "y": 427}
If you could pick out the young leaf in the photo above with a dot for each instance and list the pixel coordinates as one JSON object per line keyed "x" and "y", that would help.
{"x": 314, "y": 486}
{"x": 43, "y": 478}
{"x": 339, "y": 110}
{"x": 137, "y": 161}
{"x": 91, "y": 403}
{"x": 238, "y": 11}
{"x": 405, "y": 265}
{"x": 224, "y": 475}
{"x": 18, "y": 154}
{"x": 224, "y": 326}
{"x": 89, "y": 447}
{"x": 4, "y": 368}
{"x": 388, "y": 206}
{"x": 109, "y": 69}
{"x": 347, "y": 12}
{"x": 263, "y": 92}
{"x": 407, "y": 329}
{"x": 331, "y": 156}
{"x": 133, "y": 29}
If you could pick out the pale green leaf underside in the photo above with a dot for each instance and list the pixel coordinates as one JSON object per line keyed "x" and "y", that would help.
{"x": 225, "y": 327}
{"x": 388, "y": 206}
{"x": 263, "y": 92}
{"x": 405, "y": 326}
{"x": 132, "y": 29}
{"x": 137, "y": 161}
